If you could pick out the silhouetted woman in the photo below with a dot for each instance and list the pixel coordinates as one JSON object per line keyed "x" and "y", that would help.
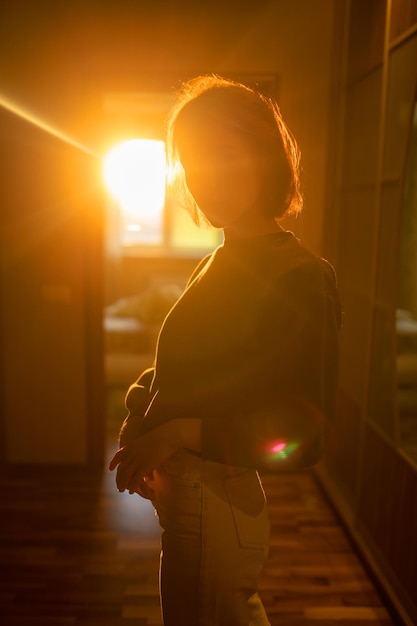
{"x": 246, "y": 362}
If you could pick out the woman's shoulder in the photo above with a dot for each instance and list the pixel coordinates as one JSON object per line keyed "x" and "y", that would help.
{"x": 294, "y": 269}
{"x": 287, "y": 255}
{"x": 299, "y": 256}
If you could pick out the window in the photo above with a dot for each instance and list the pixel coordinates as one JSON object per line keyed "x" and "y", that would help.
{"x": 135, "y": 174}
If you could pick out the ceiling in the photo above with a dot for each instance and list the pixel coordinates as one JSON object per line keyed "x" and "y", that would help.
{"x": 57, "y": 58}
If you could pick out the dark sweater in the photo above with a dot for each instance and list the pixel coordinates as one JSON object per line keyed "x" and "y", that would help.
{"x": 251, "y": 348}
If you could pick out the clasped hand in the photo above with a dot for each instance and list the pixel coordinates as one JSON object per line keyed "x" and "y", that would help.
{"x": 137, "y": 459}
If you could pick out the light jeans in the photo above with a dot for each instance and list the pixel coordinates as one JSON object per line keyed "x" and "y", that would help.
{"x": 215, "y": 542}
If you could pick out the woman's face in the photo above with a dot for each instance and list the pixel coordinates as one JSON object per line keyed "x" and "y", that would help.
{"x": 223, "y": 175}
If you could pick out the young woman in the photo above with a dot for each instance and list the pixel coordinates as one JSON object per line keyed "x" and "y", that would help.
{"x": 246, "y": 363}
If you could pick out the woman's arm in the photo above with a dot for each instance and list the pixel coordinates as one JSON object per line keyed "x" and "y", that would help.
{"x": 147, "y": 452}
{"x": 136, "y": 401}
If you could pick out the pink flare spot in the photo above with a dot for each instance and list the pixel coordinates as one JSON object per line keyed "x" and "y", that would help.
{"x": 279, "y": 447}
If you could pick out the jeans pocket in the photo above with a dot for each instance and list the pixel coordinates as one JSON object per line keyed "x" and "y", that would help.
{"x": 248, "y": 505}
{"x": 182, "y": 468}
{"x": 177, "y": 498}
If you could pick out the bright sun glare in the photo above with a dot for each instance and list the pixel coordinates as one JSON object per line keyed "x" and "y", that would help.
{"x": 135, "y": 174}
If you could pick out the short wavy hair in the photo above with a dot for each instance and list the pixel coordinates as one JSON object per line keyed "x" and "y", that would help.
{"x": 257, "y": 119}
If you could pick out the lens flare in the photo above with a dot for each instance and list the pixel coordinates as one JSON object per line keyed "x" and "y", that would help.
{"x": 280, "y": 450}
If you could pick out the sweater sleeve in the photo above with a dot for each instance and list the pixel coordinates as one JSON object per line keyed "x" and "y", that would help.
{"x": 278, "y": 422}
{"x": 137, "y": 396}
{"x": 136, "y": 402}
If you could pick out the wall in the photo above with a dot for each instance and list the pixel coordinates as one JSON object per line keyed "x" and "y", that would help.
{"x": 369, "y": 471}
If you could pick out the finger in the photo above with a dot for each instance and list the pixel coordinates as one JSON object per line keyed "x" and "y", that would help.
{"x": 127, "y": 472}
{"x": 121, "y": 479}
{"x": 142, "y": 489}
{"x": 135, "y": 482}
{"x": 116, "y": 459}
{"x": 137, "y": 485}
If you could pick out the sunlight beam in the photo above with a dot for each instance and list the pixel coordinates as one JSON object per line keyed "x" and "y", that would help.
{"x": 36, "y": 121}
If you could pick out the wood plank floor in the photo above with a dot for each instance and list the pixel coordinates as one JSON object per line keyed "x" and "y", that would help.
{"x": 75, "y": 551}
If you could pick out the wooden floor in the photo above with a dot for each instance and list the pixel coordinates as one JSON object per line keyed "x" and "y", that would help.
{"x": 75, "y": 551}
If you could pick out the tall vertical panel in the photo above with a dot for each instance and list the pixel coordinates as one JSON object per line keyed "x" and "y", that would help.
{"x": 375, "y": 484}
{"x": 48, "y": 196}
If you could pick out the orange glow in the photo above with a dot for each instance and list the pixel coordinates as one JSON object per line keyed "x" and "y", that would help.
{"x": 135, "y": 174}
{"x": 24, "y": 114}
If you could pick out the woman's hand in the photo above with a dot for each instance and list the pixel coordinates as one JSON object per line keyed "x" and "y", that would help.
{"x": 138, "y": 458}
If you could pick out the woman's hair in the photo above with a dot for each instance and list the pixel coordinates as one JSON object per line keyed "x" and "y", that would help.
{"x": 252, "y": 115}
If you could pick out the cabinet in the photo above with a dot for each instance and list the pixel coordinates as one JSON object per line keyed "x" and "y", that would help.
{"x": 51, "y": 362}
